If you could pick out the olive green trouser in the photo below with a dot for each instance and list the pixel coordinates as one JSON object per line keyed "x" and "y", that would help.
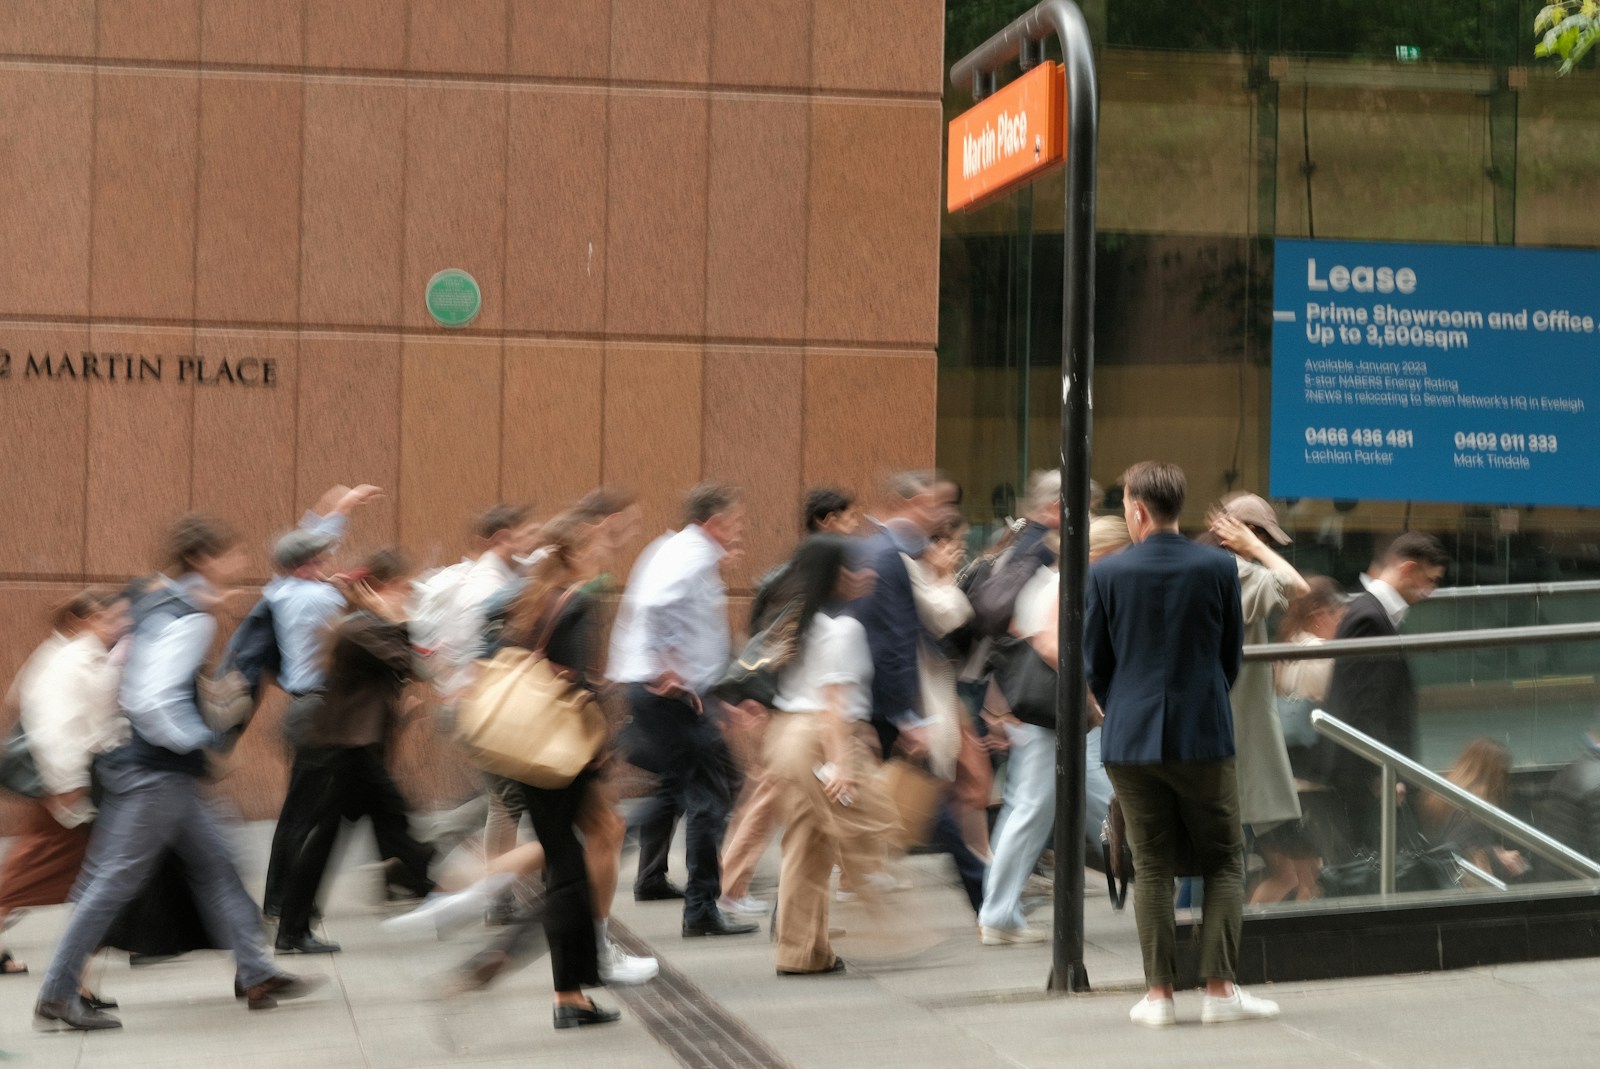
{"x": 1163, "y": 804}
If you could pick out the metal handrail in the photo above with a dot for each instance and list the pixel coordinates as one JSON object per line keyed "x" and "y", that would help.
{"x": 1443, "y": 640}
{"x": 1395, "y": 766}
{"x": 1515, "y": 590}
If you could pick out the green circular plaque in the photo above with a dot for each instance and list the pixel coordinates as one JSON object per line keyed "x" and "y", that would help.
{"x": 454, "y": 298}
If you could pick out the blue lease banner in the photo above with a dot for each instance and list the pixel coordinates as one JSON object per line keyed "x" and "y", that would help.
{"x": 1455, "y": 373}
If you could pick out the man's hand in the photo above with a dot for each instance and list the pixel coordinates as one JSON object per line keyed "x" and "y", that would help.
{"x": 913, "y": 741}
{"x": 945, "y": 557}
{"x": 353, "y": 499}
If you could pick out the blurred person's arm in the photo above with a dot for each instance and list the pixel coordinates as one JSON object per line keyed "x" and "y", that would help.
{"x": 61, "y": 708}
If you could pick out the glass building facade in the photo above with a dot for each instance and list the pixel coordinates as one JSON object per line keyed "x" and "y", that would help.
{"x": 1227, "y": 124}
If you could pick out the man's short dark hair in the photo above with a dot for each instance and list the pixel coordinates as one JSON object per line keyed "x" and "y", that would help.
{"x": 1159, "y": 487}
{"x": 707, "y": 500}
{"x": 822, "y": 502}
{"x": 1416, "y": 546}
{"x": 195, "y": 538}
{"x": 502, "y": 517}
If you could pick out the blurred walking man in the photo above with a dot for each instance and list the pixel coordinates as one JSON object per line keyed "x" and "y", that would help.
{"x": 1163, "y": 641}
{"x": 669, "y": 647}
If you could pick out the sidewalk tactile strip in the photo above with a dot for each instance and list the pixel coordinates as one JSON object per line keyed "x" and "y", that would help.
{"x": 687, "y": 1021}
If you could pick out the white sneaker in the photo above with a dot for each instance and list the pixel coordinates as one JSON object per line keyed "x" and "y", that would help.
{"x": 1000, "y": 937}
{"x": 617, "y": 967}
{"x": 746, "y": 906}
{"x": 883, "y": 883}
{"x": 1239, "y": 1006}
{"x": 1156, "y": 1013}
{"x": 437, "y": 914}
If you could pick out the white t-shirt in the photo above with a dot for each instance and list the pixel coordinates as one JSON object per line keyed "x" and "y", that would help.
{"x": 834, "y": 653}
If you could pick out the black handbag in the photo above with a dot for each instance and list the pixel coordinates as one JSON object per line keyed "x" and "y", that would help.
{"x": 753, "y": 674}
{"x": 1026, "y": 682}
{"x": 18, "y": 772}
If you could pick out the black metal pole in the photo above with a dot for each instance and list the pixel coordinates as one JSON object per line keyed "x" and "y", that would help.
{"x": 1062, "y": 18}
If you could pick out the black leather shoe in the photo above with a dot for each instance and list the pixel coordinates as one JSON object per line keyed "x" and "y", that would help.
{"x": 578, "y": 1016}
{"x": 97, "y": 1002}
{"x": 303, "y": 944}
{"x": 717, "y": 924}
{"x": 280, "y": 988}
{"x": 657, "y": 892}
{"x": 73, "y": 1014}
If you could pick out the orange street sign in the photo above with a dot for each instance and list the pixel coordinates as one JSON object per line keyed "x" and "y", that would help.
{"x": 1008, "y": 139}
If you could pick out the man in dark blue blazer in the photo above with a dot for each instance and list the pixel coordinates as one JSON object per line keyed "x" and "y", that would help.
{"x": 1163, "y": 641}
{"x": 919, "y": 502}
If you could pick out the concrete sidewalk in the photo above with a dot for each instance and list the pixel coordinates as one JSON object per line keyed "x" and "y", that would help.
{"x": 951, "y": 1002}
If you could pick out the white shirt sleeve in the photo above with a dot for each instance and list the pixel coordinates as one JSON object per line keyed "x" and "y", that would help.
{"x": 65, "y": 708}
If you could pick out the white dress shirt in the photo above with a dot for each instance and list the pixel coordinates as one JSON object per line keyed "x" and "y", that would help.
{"x": 1393, "y": 604}
{"x": 674, "y": 615}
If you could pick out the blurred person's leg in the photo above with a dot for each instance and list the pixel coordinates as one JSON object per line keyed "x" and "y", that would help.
{"x": 794, "y": 746}
{"x": 709, "y": 788}
{"x": 748, "y": 835}
{"x": 1029, "y": 816}
{"x": 229, "y": 913}
{"x": 137, "y": 821}
{"x": 969, "y": 867}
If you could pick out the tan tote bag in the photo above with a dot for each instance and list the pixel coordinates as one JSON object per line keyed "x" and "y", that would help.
{"x": 524, "y": 720}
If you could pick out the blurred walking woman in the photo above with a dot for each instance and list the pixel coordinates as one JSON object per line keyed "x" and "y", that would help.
{"x": 556, "y": 614}
{"x": 67, "y": 695}
{"x": 815, "y": 746}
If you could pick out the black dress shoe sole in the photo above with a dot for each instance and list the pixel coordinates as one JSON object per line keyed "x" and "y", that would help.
{"x": 733, "y": 929}
{"x": 836, "y": 967}
{"x": 294, "y": 948}
{"x": 587, "y": 1017}
{"x": 659, "y": 894}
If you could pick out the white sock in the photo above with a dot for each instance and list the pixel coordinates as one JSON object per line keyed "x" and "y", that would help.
{"x": 602, "y": 932}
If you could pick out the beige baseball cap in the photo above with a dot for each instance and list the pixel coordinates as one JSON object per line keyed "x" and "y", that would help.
{"x": 1250, "y": 509}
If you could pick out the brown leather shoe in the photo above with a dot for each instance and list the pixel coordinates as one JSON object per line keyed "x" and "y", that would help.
{"x": 280, "y": 988}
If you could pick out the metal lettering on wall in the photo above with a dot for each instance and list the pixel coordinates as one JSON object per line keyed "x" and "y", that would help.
{"x": 84, "y": 366}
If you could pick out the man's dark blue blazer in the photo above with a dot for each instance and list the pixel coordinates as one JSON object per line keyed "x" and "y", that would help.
{"x": 889, "y": 615}
{"x": 1163, "y": 640}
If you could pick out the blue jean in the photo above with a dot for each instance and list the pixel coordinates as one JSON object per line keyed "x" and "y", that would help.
{"x": 144, "y": 814}
{"x": 1023, "y": 826}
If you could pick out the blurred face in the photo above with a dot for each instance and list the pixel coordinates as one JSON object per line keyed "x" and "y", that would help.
{"x": 619, "y": 529}
{"x": 727, "y": 528}
{"x": 845, "y": 522}
{"x": 519, "y": 541}
{"x": 222, "y": 570}
{"x": 1324, "y": 622}
{"x": 1417, "y": 580}
{"x": 110, "y": 623}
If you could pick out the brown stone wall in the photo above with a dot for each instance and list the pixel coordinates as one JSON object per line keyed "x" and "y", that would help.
{"x": 706, "y": 232}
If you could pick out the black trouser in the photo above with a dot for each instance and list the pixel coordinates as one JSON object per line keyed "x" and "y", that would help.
{"x": 296, "y": 818}
{"x": 349, "y": 782}
{"x": 698, "y": 779}
{"x": 654, "y": 821}
{"x": 569, "y": 904}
